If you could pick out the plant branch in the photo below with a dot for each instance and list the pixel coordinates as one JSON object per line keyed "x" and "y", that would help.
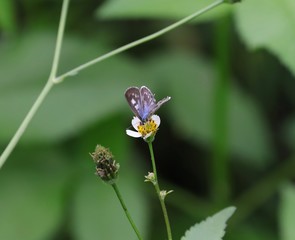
{"x": 59, "y": 39}
{"x": 138, "y": 42}
{"x": 53, "y": 79}
{"x": 20, "y": 131}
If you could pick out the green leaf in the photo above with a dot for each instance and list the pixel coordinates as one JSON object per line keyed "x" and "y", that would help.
{"x": 257, "y": 229}
{"x": 246, "y": 122}
{"x": 192, "y": 104}
{"x": 32, "y": 195}
{"x": 162, "y": 9}
{"x": 287, "y": 213}
{"x": 269, "y": 24}
{"x": 213, "y": 228}
{"x": 7, "y": 16}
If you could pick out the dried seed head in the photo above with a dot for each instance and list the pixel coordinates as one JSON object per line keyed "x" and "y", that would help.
{"x": 106, "y": 167}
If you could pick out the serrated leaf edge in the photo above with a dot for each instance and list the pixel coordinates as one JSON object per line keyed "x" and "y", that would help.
{"x": 230, "y": 210}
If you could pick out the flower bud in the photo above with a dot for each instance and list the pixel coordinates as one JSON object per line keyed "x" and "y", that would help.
{"x": 106, "y": 167}
{"x": 164, "y": 193}
{"x": 150, "y": 178}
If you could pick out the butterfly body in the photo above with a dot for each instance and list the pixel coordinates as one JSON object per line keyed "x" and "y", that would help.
{"x": 142, "y": 102}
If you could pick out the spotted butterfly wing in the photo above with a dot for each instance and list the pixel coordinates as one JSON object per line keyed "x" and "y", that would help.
{"x": 133, "y": 98}
{"x": 142, "y": 102}
{"x": 148, "y": 102}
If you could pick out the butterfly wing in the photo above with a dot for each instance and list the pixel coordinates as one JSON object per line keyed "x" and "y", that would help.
{"x": 148, "y": 102}
{"x": 133, "y": 98}
{"x": 142, "y": 102}
{"x": 159, "y": 104}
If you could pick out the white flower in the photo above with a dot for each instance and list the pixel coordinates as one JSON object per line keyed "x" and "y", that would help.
{"x": 144, "y": 129}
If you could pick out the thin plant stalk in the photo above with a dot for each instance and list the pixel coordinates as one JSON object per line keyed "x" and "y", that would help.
{"x": 115, "y": 187}
{"x": 158, "y": 191}
{"x": 140, "y": 41}
{"x": 54, "y": 80}
{"x": 48, "y": 86}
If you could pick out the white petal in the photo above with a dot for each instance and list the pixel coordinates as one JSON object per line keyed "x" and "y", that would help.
{"x": 133, "y": 133}
{"x": 157, "y": 119}
{"x": 135, "y": 122}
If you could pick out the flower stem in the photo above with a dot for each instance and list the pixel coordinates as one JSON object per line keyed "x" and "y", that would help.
{"x": 115, "y": 187}
{"x": 138, "y": 42}
{"x": 157, "y": 188}
{"x": 48, "y": 86}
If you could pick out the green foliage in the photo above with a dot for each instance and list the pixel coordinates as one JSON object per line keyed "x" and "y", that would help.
{"x": 41, "y": 189}
{"x": 122, "y": 9}
{"x": 96, "y": 211}
{"x": 7, "y": 16}
{"x": 270, "y": 25}
{"x": 48, "y": 189}
{"x": 246, "y": 232}
{"x": 287, "y": 213}
{"x": 289, "y": 132}
{"x": 32, "y": 197}
{"x": 213, "y": 228}
{"x": 86, "y": 91}
{"x": 59, "y": 118}
{"x": 193, "y": 101}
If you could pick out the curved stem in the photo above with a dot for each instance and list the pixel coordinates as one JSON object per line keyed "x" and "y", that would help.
{"x": 115, "y": 187}
{"x": 138, "y": 42}
{"x": 50, "y": 83}
{"x": 157, "y": 188}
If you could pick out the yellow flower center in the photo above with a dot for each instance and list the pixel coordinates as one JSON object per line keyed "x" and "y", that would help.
{"x": 148, "y": 127}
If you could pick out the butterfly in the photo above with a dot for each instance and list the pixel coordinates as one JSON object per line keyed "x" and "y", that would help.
{"x": 142, "y": 102}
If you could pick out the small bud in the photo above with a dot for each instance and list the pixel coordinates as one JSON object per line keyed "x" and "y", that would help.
{"x": 106, "y": 167}
{"x": 164, "y": 193}
{"x": 150, "y": 178}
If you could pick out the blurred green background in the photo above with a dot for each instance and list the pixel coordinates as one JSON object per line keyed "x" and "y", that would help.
{"x": 226, "y": 137}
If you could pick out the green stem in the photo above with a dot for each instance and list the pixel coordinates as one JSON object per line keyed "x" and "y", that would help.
{"x": 220, "y": 162}
{"x": 50, "y": 83}
{"x": 138, "y": 42}
{"x": 59, "y": 39}
{"x": 157, "y": 188}
{"x": 115, "y": 187}
{"x": 16, "y": 137}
